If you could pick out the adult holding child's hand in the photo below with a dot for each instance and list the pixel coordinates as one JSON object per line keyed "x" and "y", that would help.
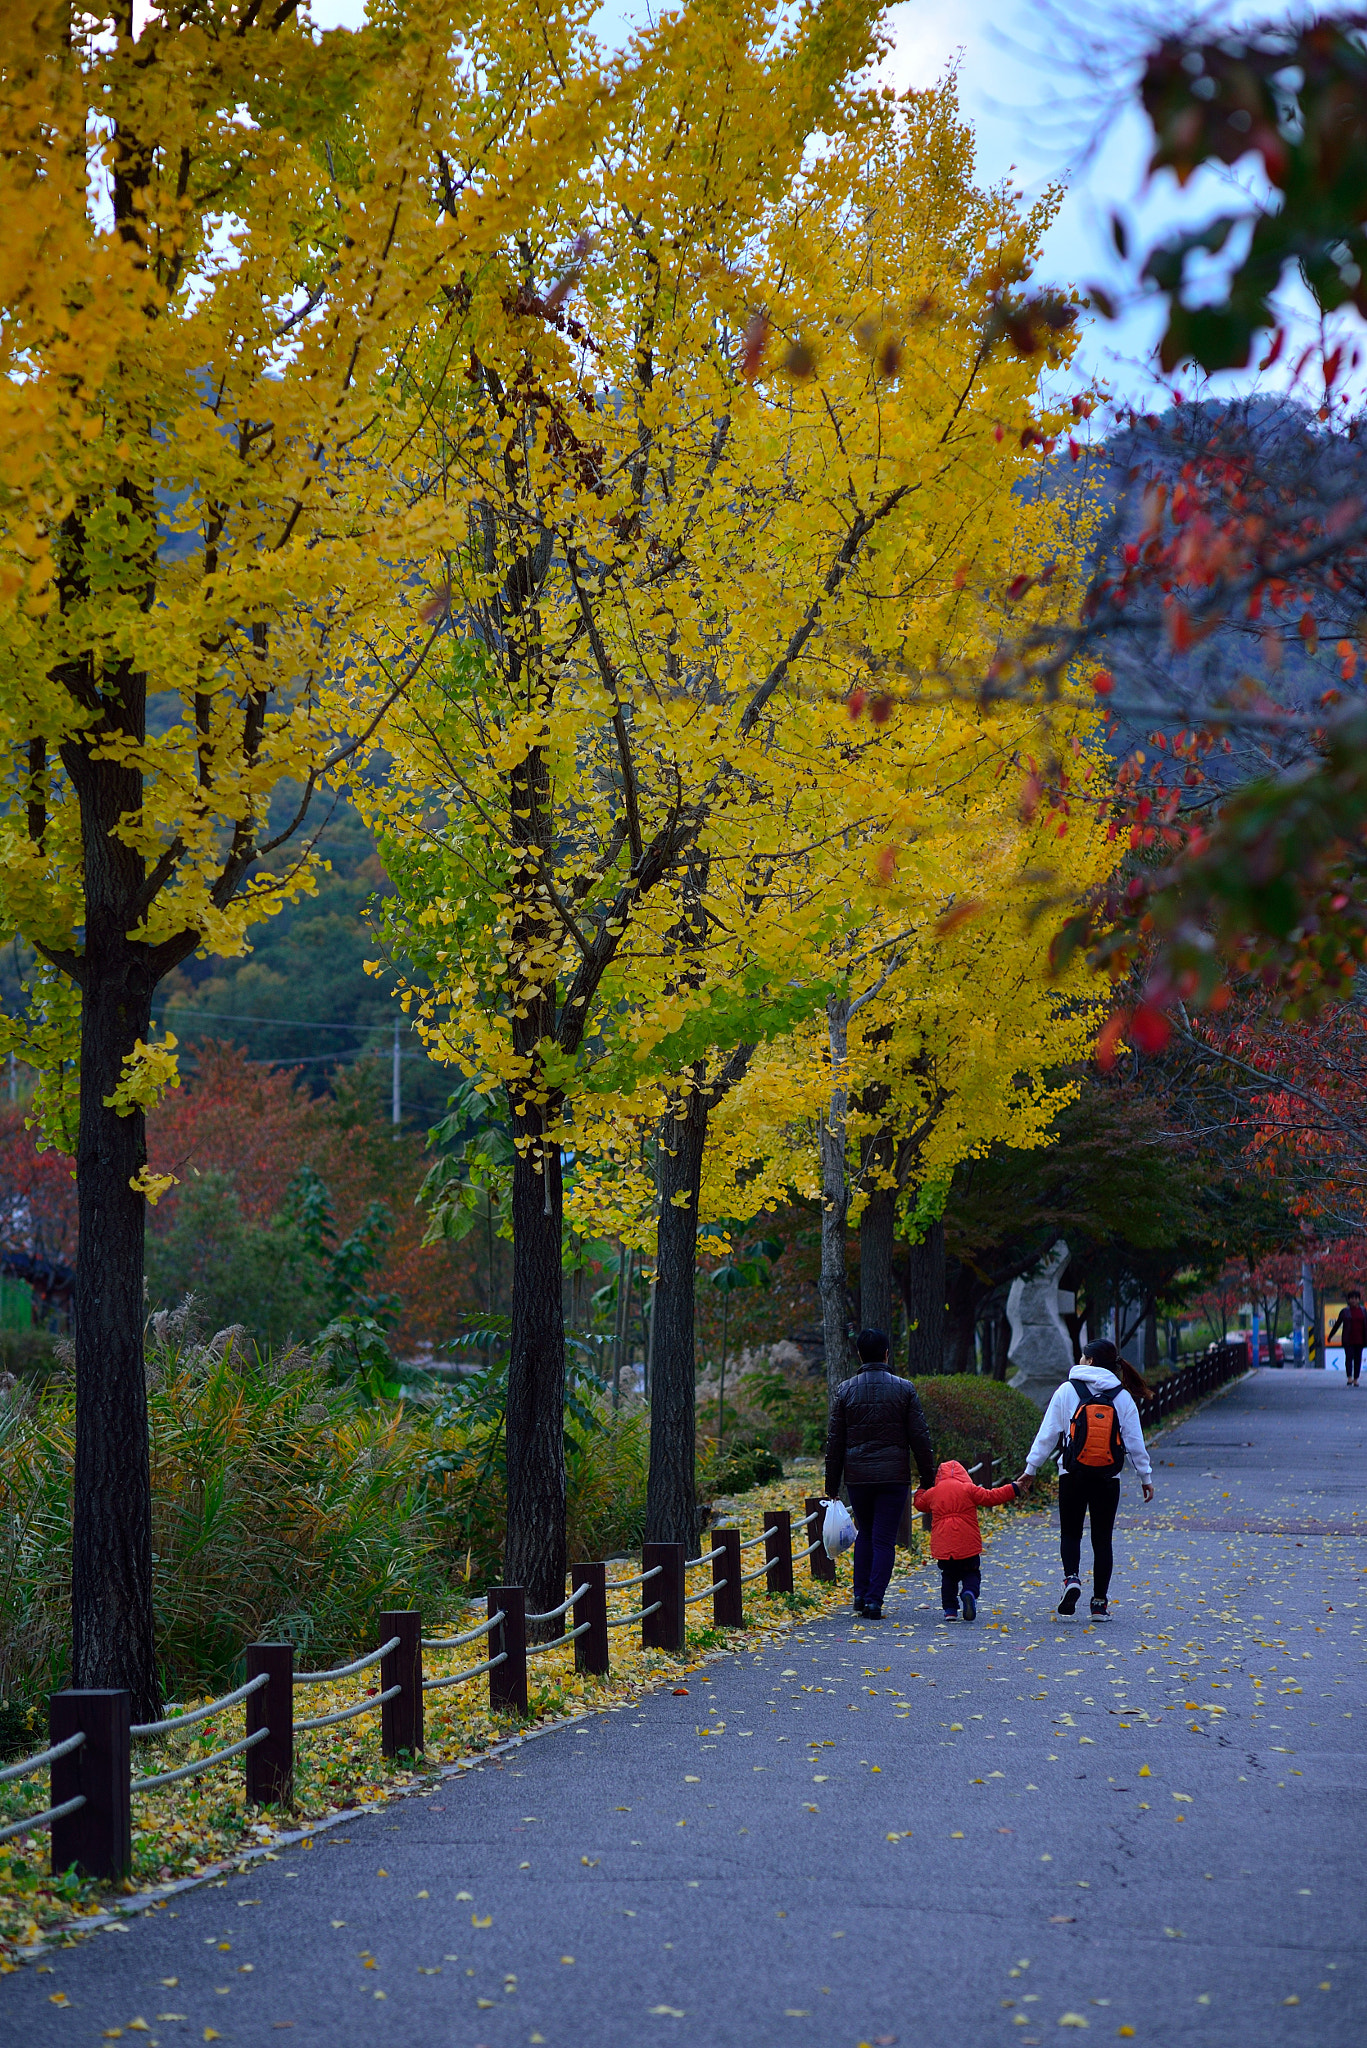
{"x": 1091, "y": 1425}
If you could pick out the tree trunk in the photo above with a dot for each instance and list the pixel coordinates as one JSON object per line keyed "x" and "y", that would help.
{"x": 926, "y": 1303}
{"x": 835, "y": 1201}
{"x": 671, "y": 1496}
{"x": 535, "y": 1554}
{"x": 113, "y": 1638}
{"x": 963, "y": 1292}
{"x": 875, "y": 1261}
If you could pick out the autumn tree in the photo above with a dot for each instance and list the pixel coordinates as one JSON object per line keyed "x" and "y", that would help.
{"x": 222, "y": 230}
{"x": 752, "y": 446}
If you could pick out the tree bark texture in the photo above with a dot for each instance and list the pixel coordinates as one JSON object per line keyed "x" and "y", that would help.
{"x": 963, "y": 1293}
{"x": 671, "y": 1493}
{"x": 875, "y": 1261}
{"x": 113, "y": 1638}
{"x": 926, "y": 1303}
{"x": 835, "y": 1202}
{"x": 535, "y": 1553}
{"x": 113, "y": 1641}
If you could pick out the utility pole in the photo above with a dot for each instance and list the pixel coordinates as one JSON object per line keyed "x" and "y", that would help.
{"x": 397, "y": 1106}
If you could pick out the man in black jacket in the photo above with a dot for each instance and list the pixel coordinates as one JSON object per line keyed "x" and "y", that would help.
{"x": 876, "y": 1424}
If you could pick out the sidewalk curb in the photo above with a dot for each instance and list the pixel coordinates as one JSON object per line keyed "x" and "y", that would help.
{"x": 149, "y": 1900}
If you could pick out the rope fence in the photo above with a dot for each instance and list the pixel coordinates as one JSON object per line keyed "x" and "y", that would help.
{"x": 91, "y": 1782}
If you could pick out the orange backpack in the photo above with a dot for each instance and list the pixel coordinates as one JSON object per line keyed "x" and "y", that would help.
{"x": 1094, "y": 1444}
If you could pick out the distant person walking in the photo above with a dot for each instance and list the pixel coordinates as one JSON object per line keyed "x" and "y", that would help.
{"x": 876, "y": 1425}
{"x": 1091, "y": 1425}
{"x": 1353, "y": 1317}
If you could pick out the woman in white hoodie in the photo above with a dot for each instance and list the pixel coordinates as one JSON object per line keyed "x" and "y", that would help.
{"x": 1091, "y": 1425}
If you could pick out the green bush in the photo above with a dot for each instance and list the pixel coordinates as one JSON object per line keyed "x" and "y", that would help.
{"x": 264, "y": 1276}
{"x": 28, "y": 1353}
{"x": 746, "y": 1462}
{"x": 968, "y": 1415}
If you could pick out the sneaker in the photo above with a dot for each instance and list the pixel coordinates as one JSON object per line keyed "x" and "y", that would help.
{"x": 1100, "y": 1607}
{"x": 1072, "y": 1593}
{"x": 859, "y": 1608}
{"x": 873, "y": 1614}
{"x": 951, "y": 1614}
{"x": 970, "y": 1606}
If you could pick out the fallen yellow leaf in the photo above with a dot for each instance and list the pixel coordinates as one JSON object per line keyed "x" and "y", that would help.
{"x": 1144, "y": 1771}
{"x": 487, "y": 1921}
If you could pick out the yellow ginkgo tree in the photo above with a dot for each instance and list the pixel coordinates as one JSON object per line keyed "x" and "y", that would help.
{"x": 752, "y": 439}
{"x": 223, "y": 231}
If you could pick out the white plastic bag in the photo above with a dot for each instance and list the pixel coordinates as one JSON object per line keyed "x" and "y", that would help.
{"x": 838, "y": 1530}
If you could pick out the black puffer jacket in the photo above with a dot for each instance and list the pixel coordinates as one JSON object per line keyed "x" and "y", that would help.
{"x": 876, "y": 1423}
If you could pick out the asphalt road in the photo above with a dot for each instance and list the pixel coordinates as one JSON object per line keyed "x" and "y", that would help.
{"x": 945, "y": 1837}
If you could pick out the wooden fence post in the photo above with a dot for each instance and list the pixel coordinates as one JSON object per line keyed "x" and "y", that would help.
{"x": 98, "y": 1837}
{"x": 401, "y": 1718}
{"x": 591, "y": 1651}
{"x": 664, "y": 1630}
{"x": 823, "y": 1567}
{"x": 728, "y": 1606}
{"x": 987, "y": 1466}
{"x": 270, "y": 1766}
{"x": 778, "y": 1551}
{"x": 508, "y": 1681}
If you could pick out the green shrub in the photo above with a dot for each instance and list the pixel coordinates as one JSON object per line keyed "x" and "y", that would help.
{"x": 264, "y": 1276}
{"x": 28, "y": 1353}
{"x": 746, "y": 1462}
{"x": 968, "y": 1415}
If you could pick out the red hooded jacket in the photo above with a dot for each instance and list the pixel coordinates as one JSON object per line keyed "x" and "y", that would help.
{"x": 952, "y": 1504}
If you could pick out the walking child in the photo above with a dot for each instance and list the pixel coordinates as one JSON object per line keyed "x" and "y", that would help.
{"x": 956, "y": 1541}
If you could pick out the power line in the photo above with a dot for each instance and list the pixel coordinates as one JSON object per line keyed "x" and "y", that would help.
{"x": 239, "y": 1017}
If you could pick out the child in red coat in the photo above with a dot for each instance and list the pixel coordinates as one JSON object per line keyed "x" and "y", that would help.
{"x": 956, "y": 1541}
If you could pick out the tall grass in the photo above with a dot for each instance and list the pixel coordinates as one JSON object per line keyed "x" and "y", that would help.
{"x": 282, "y": 1510}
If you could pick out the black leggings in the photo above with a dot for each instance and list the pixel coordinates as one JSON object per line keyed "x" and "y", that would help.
{"x": 1080, "y": 1494}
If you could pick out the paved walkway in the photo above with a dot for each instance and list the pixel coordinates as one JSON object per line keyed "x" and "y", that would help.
{"x": 943, "y": 1837}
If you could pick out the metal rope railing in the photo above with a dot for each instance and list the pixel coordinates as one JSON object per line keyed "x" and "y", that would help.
{"x": 535, "y": 1649}
{"x": 26, "y": 1767}
{"x": 347, "y": 1670}
{"x": 554, "y": 1613}
{"x": 622, "y": 1620}
{"x": 365, "y": 1706}
{"x": 454, "y": 1642}
{"x": 42, "y": 1820}
{"x": 615, "y": 1585}
{"x": 203, "y": 1763}
{"x": 459, "y": 1677}
{"x": 706, "y": 1592}
{"x": 175, "y": 1722}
